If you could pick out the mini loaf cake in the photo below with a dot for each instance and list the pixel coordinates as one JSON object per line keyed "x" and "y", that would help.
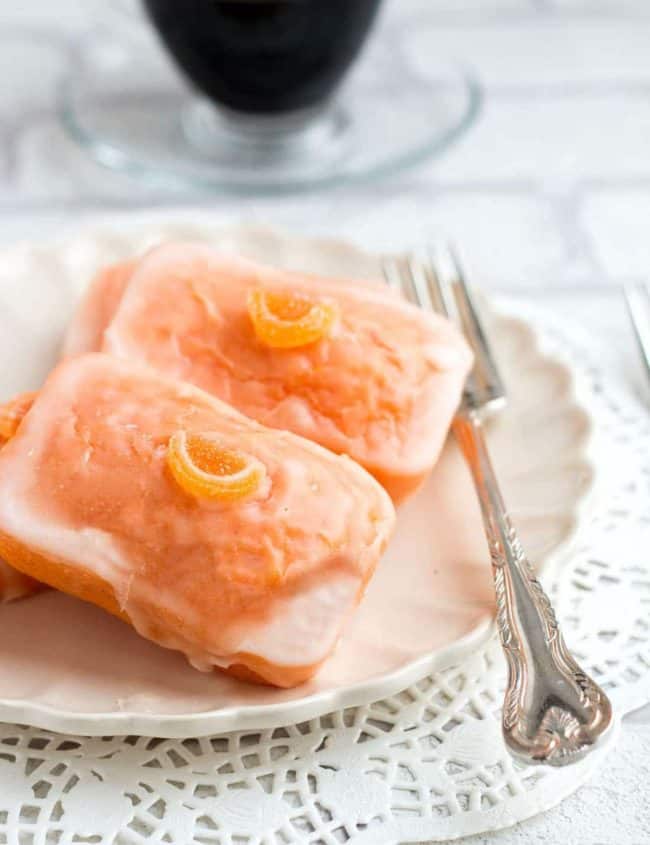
{"x": 243, "y": 547}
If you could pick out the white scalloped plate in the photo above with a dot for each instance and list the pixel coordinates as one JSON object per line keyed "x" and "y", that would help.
{"x": 68, "y": 666}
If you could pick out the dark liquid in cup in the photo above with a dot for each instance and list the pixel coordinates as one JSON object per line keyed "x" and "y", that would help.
{"x": 263, "y": 55}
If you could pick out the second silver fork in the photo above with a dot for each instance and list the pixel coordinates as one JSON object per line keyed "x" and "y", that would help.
{"x": 553, "y": 711}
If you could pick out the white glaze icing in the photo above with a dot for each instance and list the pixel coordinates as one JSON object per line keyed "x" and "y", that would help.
{"x": 305, "y": 626}
{"x": 302, "y": 629}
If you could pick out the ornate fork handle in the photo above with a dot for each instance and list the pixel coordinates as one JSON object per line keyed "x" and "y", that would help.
{"x": 553, "y": 712}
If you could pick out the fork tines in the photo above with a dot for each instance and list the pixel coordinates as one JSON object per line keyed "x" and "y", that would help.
{"x": 435, "y": 280}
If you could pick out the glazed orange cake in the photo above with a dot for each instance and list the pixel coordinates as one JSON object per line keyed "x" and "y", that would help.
{"x": 243, "y": 547}
{"x": 348, "y": 365}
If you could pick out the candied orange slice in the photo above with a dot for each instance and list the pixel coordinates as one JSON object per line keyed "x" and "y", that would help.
{"x": 11, "y": 414}
{"x": 203, "y": 467}
{"x": 287, "y": 319}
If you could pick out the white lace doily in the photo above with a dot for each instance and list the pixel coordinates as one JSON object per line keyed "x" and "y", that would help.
{"x": 428, "y": 763}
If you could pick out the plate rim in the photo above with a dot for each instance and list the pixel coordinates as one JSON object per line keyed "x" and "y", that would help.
{"x": 266, "y": 716}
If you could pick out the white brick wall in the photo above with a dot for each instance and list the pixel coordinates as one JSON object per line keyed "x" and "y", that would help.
{"x": 549, "y": 188}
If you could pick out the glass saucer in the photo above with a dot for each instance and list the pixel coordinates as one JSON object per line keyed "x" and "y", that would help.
{"x": 130, "y": 109}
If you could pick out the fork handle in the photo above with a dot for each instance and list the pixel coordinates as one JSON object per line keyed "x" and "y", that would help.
{"x": 553, "y": 712}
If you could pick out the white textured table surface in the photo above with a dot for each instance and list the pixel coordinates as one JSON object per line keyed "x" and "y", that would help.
{"x": 549, "y": 195}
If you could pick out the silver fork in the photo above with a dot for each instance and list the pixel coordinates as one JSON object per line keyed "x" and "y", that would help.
{"x": 553, "y": 712}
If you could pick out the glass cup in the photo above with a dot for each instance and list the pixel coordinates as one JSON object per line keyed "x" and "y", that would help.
{"x": 264, "y": 99}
